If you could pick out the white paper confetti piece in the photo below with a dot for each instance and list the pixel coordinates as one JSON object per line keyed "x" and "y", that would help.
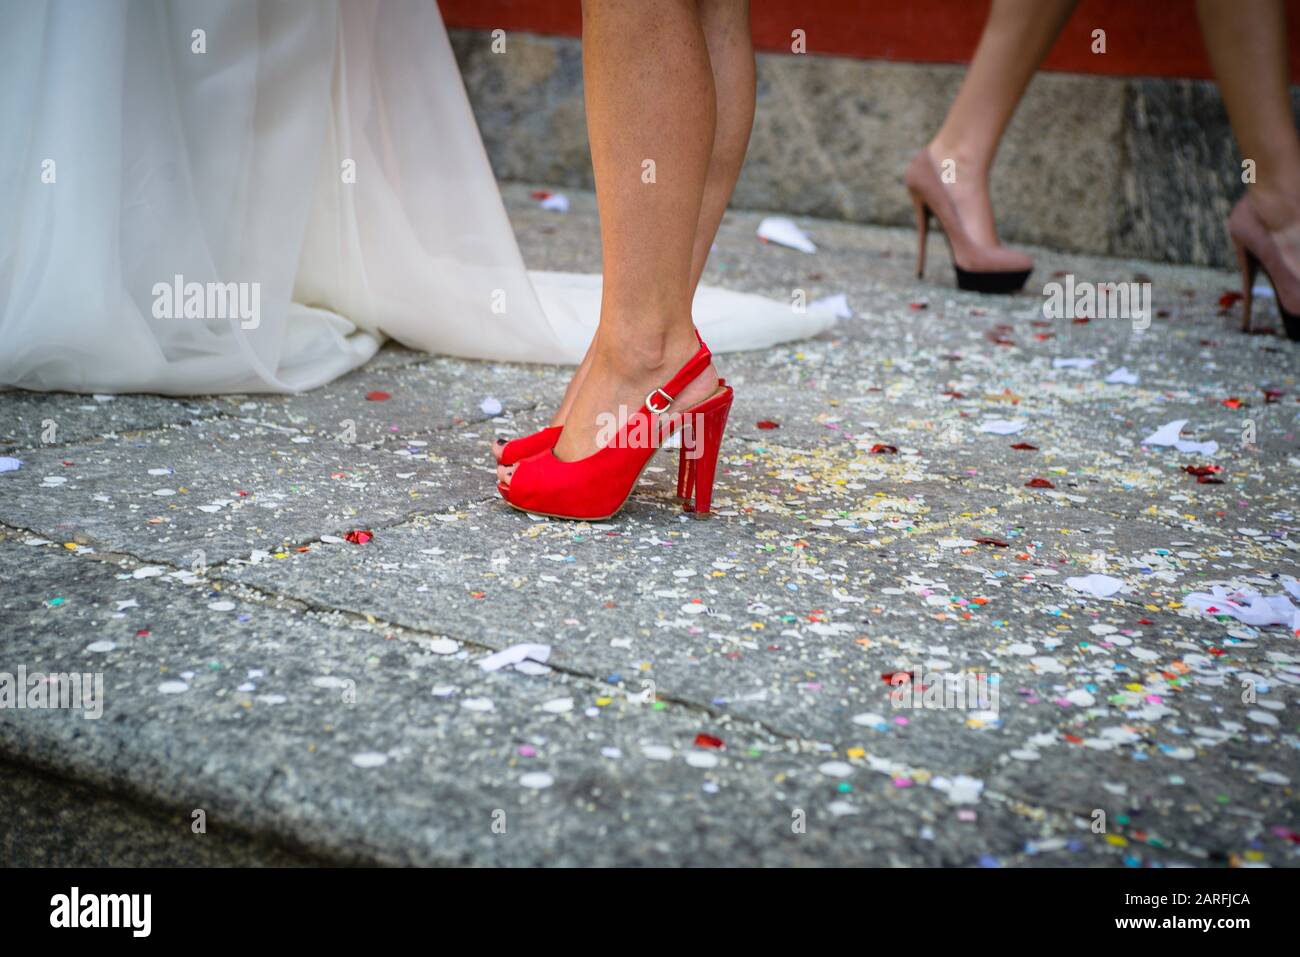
{"x": 1121, "y": 376}
{"x": 784, "y": 232}
{"x": 1167, "y": 434}
{"x": 1099, "y": 586}
{"x": 836, "y": 769}
{"x": 515, "y": 654}
{"x": 837, "y": 305}
{"x": 1003, "y": 426}
{"x": 369, "y": 759}
{"x": 1247, "y": 606}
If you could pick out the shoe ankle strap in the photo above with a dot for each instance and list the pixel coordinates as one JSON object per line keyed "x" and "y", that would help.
{"x": 662, "y": 398}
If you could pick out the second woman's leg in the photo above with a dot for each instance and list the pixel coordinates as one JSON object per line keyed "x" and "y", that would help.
{"x": 1246, "y": 40}
{"x": 1016, "y": 38}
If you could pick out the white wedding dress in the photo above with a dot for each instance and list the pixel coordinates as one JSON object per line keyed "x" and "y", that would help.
{"x": 323, "y": 155}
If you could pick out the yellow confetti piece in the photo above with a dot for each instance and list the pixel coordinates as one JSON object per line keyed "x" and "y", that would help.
{"x": 1117, "y": 839}
{"x": 601, "y": 702}
{"x": 856, "y": 753}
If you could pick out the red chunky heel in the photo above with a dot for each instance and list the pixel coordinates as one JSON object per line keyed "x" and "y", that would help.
{"x": 598, "y": 486}
{"x": 698, "y": 460}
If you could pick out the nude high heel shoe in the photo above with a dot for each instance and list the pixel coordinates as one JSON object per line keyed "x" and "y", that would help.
{"x": 1256, "y": 248}
{"x": 979, "y": 268}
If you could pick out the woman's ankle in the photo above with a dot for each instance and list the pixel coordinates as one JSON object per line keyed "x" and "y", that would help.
{"x": 1279, "y": 210}
{"x": 633, "y": 353}
{"x": 959, "y": 162}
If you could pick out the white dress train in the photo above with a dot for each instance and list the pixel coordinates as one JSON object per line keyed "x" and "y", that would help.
{"x": 323, "y": 159}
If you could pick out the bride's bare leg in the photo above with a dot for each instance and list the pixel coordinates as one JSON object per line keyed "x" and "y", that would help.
{"x": 651, "y": 116}
{"x": 1017, "y": 36}
{"x": 731, "y": 54}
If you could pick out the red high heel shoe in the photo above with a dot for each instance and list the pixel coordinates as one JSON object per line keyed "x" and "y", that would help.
{"x": 516, "y": 450}
{"x": 1255, "y": 248}
{"x": 597, "y": 486}
{"x": 979, "y": 268}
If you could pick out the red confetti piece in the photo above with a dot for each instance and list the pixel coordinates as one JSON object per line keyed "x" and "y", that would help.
{"x": 1025, "y": 447}
{"x": 1145, "y": 621}
{"x": 1230, "y": 299}
{"x": 708, "y": 741}
{"x": 1199, "y": 470}
{"x": 996, "y": 542}
{"x": 142, "y": 633}
{"x": 1082, "y": 321}
{"x": 888, "y": 676}
{"x": 1232, "y": 403}
{"x": 918, "y": 306}
{"x": 881, "y": 449}
{"x": 768, "y": 424}
{"x": 359, "y": 536}
{"x": 540, "y": 194}
{"x": 1039, "y": 483}
{"x": 1272, "y": 395}
{"x": 954, "y": 395}
{"x": 377, "y": 396}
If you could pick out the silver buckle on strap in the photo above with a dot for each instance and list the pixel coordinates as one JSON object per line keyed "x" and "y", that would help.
{"x": 649, "y": 401}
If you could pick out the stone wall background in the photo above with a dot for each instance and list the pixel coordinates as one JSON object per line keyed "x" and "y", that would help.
{"x": 1129, "y": 167}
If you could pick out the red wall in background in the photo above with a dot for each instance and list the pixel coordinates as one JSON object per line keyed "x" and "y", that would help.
{"x": 1143, "y": 37}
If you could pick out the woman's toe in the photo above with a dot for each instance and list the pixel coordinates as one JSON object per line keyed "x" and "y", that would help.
{"x": 504, "y": 472}
{"x": 498, "y": 447}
